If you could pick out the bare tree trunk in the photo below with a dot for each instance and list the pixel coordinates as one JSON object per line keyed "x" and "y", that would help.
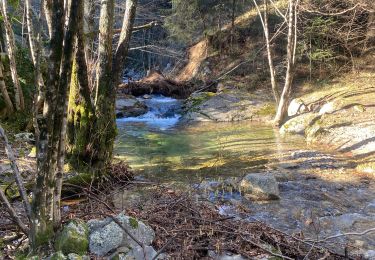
{"x": 47, "y": 7}
{"x": 4, "y": 92}
{"x": 285, "y": 96}
{"x": 124, "y": 41}
{"x": 35, "y": 48}
{"x": 275, "y": 88}
{"x": 370, "y": 35}
{"x": 271, "y": 66}
{"x": 18, "y": 94}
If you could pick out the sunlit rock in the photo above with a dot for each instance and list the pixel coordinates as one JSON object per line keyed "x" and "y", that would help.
{"x": 298, "y": 124}
{"x": 296, "y": 107}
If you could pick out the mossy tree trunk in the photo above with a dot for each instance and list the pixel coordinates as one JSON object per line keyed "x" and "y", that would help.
{"x": 45, "y": 215}
{"x": 81, "y": 117}
{"x": 105, "y": 128}
{"x": 92, "y": 127}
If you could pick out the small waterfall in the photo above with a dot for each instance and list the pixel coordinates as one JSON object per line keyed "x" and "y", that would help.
{"x": 164, "y": 112}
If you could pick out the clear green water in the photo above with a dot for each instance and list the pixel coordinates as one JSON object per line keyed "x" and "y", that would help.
{"x": 200, "y": 151}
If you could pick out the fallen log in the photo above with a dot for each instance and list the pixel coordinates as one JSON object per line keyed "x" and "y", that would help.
{"x": 157, "y": 83}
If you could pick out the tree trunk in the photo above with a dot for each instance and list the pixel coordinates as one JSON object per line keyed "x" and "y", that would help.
{"x": 105, "y": 89}
{"x": 285, "y": 96}
{"x": 124, "y": 41}
{"x": 81, "y": 117}
{"x": 4, "y": 92}
{"x": 370, "y": 35}
{"x": 264, "y": 21}
{"x": 50, "y": 149}
{"x": 18, "y": 94}
{"x": 275, "y": 88}
{"x": 35, "y": 48}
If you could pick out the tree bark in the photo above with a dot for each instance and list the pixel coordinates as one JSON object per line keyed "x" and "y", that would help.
{"x": 285, "y": 96}
{"x": 370, "y": 34}
{"x": 264, "y": 21}
{"x": 105, "y": 90}
{"x": 51, "y": 146}
{"x": 4, "y": 92}
{"x": 11, "y": 45}
{"x": 124, "y": 41}
{"x": 275, "y": 88}
{"x": 81, "y": 117}
{"x": 35, "y": 48}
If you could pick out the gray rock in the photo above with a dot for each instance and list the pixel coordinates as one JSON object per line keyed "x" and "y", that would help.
{"x": 260, "y": 186}
{"x": 5, "y": 168}
{"x": 129, "y": 106}
{"x": 298, "y": 124}
{"x": 57, "y": 256}
{"x": 73, "y": 256}
{"x": 227, "y": 106}
{"x": 73, "y": 238}
{"x": 106, "y": 239}
{"x": 137, "y": 253}
{"x": 25, "y": 137}
{"x": 369, "y": 254}
{"x": 106, "y": 235}
{"x": 328, "y": 108}
{"x": 296, "y": 107}
{"x": 225, "y": 256}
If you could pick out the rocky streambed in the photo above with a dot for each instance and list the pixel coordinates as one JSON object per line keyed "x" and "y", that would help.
{"x": 300, "y": 189}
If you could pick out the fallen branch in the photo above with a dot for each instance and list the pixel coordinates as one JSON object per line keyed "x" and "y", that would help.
{"x": 344, "y": 235}
{"x": 17, "y": 174}
{"x": 12, "y": 213}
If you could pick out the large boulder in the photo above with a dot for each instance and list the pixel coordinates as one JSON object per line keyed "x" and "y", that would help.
{"x": 73, "y": 238}
{"x": 260, "y": 186}
{"x": 298, "y": 124}
{"x": 227, "y": 106}
{"x": 106, "y": 235}
{"x": 331, "y": 107}
{"x": 129, "y": 106}
{"x": 296, "y": 107}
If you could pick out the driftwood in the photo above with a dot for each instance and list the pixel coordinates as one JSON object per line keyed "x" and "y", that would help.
{"x": 157, "y": 83}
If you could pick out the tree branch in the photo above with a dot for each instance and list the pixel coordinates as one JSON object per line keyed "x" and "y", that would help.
{"x": 16, "y": 172}
{"x": 13, "y": 214}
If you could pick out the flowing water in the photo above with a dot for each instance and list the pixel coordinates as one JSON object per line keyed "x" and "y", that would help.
{"x": 320, "y": 193}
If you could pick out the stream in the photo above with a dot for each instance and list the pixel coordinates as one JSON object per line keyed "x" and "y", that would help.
{"x": 320, "y": 193}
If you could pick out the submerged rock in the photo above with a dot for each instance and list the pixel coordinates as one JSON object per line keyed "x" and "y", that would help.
{"x": 73, "y": 238}
{"x": 260, "y": 186}
{"x": 106, "y": 235}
